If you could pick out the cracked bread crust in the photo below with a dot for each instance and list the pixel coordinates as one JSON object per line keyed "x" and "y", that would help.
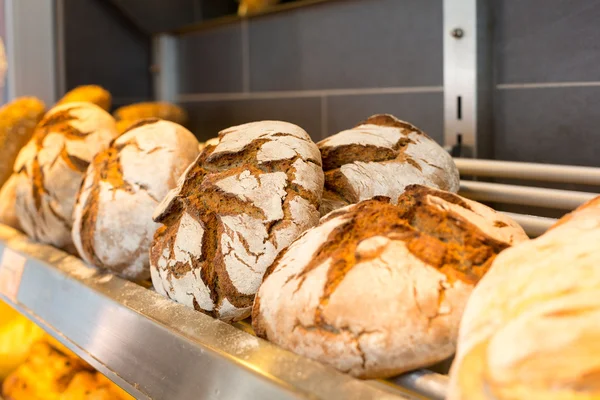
{"x": 51, "y": 167}
{"x": 380, "y": 157}
{"x": 244, "y": 199}
{"x": 377, "y": 289}
{"x": 122, "y": 187}
{"x": 530, "y": 329}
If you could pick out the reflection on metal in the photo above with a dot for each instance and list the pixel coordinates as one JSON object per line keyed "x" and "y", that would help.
{"x": 529, "y": 171}
{"x": 524, "y": 195}
{"x": 467, "y": 77}
{"x": 534, "y": 226}
{"x": 157, "y": 349}
{"x": 427, "y": 383}
{"x": 164, "y": 67}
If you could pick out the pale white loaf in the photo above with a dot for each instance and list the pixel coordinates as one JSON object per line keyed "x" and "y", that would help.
{"x": 112, "y": 220}
{"x": 531, "y": 328}
{"x": 236, "y": 207}
{"x": 378, "y": 289}
{"x": 380, "y": 157}
{"x": 50, "y": 169}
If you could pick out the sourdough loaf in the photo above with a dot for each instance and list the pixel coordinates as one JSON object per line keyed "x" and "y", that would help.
{"x": 235, "y": 208}
{"x": 89, "y": 93}
{"x": 17, "y": 124}
{"x": 50, "y": 169}
{"x": 112, "y": 219}
{"x": 380, "y": 157}
{"x": 531, "y": 327}
{"x": 377, "y": 289}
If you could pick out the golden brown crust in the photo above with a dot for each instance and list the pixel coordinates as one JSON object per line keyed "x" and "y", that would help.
{"x": 89, "y": 93}
{"x": 17, "y": 124}
{"x": 162, "y": 110}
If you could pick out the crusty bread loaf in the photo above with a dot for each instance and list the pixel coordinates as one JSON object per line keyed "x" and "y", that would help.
{"x": 87, "y": 385}
{"x": 17, "y": 123}
{"x": 112, "y": 219}
{"x": 377, "y": 289}
{"x": 236, "y": 207}
{"x": 8, "y": 194}
{"x": 380, "y": 157}
{"x": 89, "y": 93}
{"x": 51, "y": 166}
{"x": 151, "y": 109}
{"x": 531, "y": 328}
{"x": 209, "y": 142}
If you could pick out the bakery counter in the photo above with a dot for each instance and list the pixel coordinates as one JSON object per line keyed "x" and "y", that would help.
{"x": 157, "y": 349}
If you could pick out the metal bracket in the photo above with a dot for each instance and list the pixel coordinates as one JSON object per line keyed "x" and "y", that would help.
{"x": 467, "y": 78}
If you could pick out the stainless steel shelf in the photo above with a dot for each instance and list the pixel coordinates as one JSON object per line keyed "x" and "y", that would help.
{"x": 157, "y": 349}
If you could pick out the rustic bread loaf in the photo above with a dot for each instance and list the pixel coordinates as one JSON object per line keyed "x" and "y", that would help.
{"x": 89, "y": 93}
{"x": 151, "y": 109}
{"x": 209, "y": 142}
{"x": 8, "y": 194}
{"x": 112, "y": 219}
{"x": 50, "y": 169}
{"x": 236, "y": 207}
{"x": 531, "y": 327}
{"x": 17, "y": 123}
{"x": 380, "y": 157}
{"x": 377, "y": 289}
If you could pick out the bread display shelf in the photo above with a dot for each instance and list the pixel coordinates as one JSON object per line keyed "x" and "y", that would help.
{"x": 157, "y": 349}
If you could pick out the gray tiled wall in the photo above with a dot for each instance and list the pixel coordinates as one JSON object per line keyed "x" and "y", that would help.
{"x": 327, "y": 67}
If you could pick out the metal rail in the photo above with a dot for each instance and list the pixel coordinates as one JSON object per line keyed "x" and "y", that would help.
{"x": 533, "y": 225}
{"x": 529, "y": 171}
{"x": 524, "y": 195}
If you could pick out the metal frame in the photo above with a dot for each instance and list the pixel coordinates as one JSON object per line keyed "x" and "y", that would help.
{"x": 164, "y": 67}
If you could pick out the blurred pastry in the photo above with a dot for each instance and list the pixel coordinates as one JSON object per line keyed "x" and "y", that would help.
{"x": 158, "y": 109}
{"x": 89, "y": 93}
{"x": 8, "y": 194}
{"x": 249, "y": 7}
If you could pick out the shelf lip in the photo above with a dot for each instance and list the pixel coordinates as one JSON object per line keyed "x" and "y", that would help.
{"x": 158, "y": 349}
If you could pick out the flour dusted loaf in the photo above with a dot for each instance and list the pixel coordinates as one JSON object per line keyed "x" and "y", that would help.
{"x": 89, "y": 93}
{"x": 380, "y": 157}
{"x": 235, "y": 208}
{"x": 377, "y": 289}
{"x": 50, "y": 169}
{"x": 531, "y": 328}
{"x": 17, "y": 124}
{"x": 112, "y": 220}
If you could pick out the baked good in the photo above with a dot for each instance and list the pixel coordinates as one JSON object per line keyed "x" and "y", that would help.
{"x": 151, "y": 109}
{"x": 8, "y": 194}
{"x": 17, "y": 123}
{"x": 209, "y": 142}
{"x": 235, "y": 208}
{"x": 17, "y": 334}
{"x": 531, "y": 327}
{"x": 46, "y": 374}
{"x": 377, "y": 289}
{"x": 380, "y": 157}
{"x": 89, "y": 93}
{"x": 87, "y": 385}
{"x": 122, "y": 187}
{"x": 50, "y": 169}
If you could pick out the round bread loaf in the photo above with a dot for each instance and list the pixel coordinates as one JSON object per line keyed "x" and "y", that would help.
{"x": 112, "y": 219}
{"x": 151, "y": 109}
{"x": 89, "y": 93}
{"x": 531, "y": 327}
{"x": 236, "y": 207}
{"x": 8, "y": 194}
{"x": 380, "y": 157}
{"x": 50, "y": 169}
{"x": 378, "y": 289}
{"x": 17, "y": 124}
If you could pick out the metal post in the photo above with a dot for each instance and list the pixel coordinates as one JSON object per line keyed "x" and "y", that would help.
{"x": 165, "y": 67}
{"x": 467, "y": 77}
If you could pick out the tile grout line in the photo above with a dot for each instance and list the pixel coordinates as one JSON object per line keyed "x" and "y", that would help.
{"x": 324, "y": 116}
{"x": 546, "y": 85}
{"x": 198, "y": 97}
{"x": 245, "y": 57}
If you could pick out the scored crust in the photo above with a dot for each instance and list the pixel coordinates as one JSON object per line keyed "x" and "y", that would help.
{"x": 380, "y": 157}
{"x": 378, "y": 289}
{"x": 122, "y": 187}
{"x": 244, "y": 199}
{"x": 50, "y": 169}
{"x": 530, "y": 329}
